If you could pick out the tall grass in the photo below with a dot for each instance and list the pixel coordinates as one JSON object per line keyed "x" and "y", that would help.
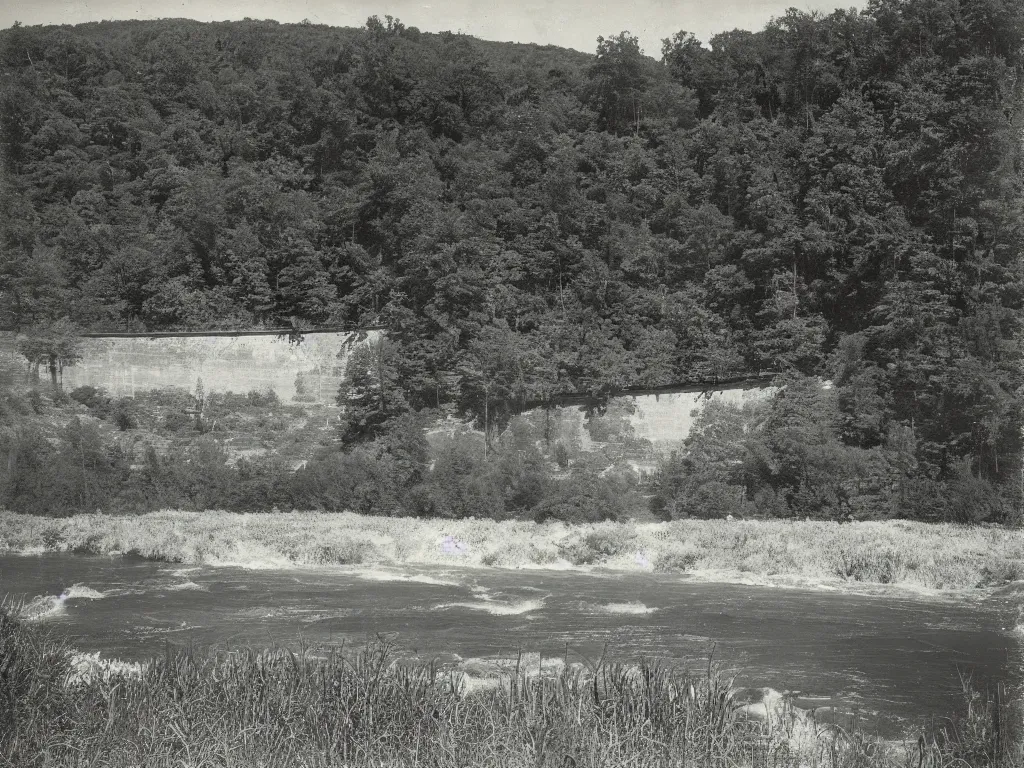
{"x": 365, "y": 707}
{"x": 902, "y": 553}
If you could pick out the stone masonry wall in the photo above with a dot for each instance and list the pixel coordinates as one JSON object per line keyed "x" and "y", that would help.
{"x": 240, "y": 364}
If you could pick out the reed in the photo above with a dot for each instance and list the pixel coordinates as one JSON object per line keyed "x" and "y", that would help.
{"x": 334, "y": 706}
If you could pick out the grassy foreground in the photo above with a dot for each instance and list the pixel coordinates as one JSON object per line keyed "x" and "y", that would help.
{"x": 907, "y": 554}
{"x": 284, "y": 709}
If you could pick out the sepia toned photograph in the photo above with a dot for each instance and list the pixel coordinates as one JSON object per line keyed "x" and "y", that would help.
{"x": 394, "y": 384}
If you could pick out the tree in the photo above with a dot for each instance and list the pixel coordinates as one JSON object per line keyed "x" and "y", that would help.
{"x": 494, "y": 376}
{"x": 797, "y": 451}
{"x": 55, "y": 345}
{"x": 616, "y": 83}
{"x": 370, "y": 391}
{"x": 707, "y": 477}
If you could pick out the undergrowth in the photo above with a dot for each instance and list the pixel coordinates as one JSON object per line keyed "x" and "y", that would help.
{"x": 367, "y": 707}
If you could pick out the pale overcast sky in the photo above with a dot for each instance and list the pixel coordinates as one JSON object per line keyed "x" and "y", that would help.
{"x": 569, "y": 23}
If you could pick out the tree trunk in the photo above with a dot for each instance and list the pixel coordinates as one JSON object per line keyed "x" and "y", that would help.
{"x": 487, "y": 434}
{"x": 547, "y": 425}
{"x": 53, "y": 373}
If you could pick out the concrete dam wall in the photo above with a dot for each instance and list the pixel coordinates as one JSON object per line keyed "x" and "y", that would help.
{"x": 664, "y": 419}
{"x": 311, "y": 371}
{"x": 308, "y": 371}
{"x": 668, "y": 418}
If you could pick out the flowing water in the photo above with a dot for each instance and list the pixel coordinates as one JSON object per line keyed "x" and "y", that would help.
{"x": 896, "y": 658}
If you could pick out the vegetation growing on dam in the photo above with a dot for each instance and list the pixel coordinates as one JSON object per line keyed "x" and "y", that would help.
{"x": 286, "y": 709}
{"x": 901, "y": 554}
{"x": 834, "y": 195}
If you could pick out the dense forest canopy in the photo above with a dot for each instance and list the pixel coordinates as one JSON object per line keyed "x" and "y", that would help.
{"x": 835, "y": 195}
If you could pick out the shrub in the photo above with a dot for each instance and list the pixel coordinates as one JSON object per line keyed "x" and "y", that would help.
{"x": 610, "y": 542}
{"x": 356, "y": 481}
{"x": 346, "y": 552}
{"x": 462, "y": 484}
{"x": 257, "y": 485}
{"x": 262, "y": 399}
{"x": 176, "y": 421}
{"x": 678, "y": 557}
{"x": 582, "y": 499}
{"x": 963, "y": 498}
{"x": 13, "y": 408}
{"x": 713, "y": 500}
{"x": 38, "y": 403}
{"x": 561, "y": 456}
{"x": 887, "y": 566}
{"x": 93, "y": 545}
{"x": 175, "y": 398}
{"x": 770, "y": 503}
{"x": 597, "y": 546}
{"x": 53, "y": 538}
{"x": 892, "y": 566}
{"x": 93, "y": 398}
{"x": 123, "y": 414}
{"x": 60, "y": 398}
{"x": 1001, "y": 570}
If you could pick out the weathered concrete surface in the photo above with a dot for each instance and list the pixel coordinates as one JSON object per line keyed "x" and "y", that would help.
{"x": 309, "y": 371}
{"x": 664, "y": 420}
{"x": 667, "y": 419}
{"x": 124, "y": 366}
{"x": 644, "y": 427}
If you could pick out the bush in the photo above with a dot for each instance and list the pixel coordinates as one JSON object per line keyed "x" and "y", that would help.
{"x": 582, "y": 499}
{"x": 176, "y": 421}
{"x": 53, "y": 538}
{"x": 561, "y": 456}
{"x": 223, "y": 403}
{"x": 770, "y": 503}
{"x": 963, "y": 498}
{"x": 712, "y": 501}
{"x": 263, "y": 399}
{"x": 37, "y": 402}
{"x": 93, "y": 398}
{"x": 174, "y": 398}
{"x": 678, "y": 557}
{"x": 356, "y": 481}
{"x": 597, "y": 546}
{"x": 13, "y": 408}
{"x": 346, "y": 552}
{"x": 123, "y": 414}
{"x": 462, "y": 484}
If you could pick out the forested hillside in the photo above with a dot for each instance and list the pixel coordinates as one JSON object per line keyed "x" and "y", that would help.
{"x": 838, "y": 196}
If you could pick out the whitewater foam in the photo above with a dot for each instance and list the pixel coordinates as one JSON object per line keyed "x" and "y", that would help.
{"x": 270, "y": 563}
{"x": 380, "y": 574}
{"x": 632, "y": 608}
{"x": 82, "y": 592}
{"x": 48, "y": 606}
{"x": 497, "y": 609}
{"x": 188, "y": 584}
{"x": 42, "y": 607}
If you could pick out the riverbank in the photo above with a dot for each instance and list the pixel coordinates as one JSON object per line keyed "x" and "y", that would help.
{"x": 862, "y": 555}
{"x": 371, "y": 708}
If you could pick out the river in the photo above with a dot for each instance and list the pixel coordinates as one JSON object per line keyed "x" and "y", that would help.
{"x": 893, "y": 658}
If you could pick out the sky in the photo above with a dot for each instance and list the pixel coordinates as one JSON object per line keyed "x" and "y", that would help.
{"x": 568, "y": 23}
